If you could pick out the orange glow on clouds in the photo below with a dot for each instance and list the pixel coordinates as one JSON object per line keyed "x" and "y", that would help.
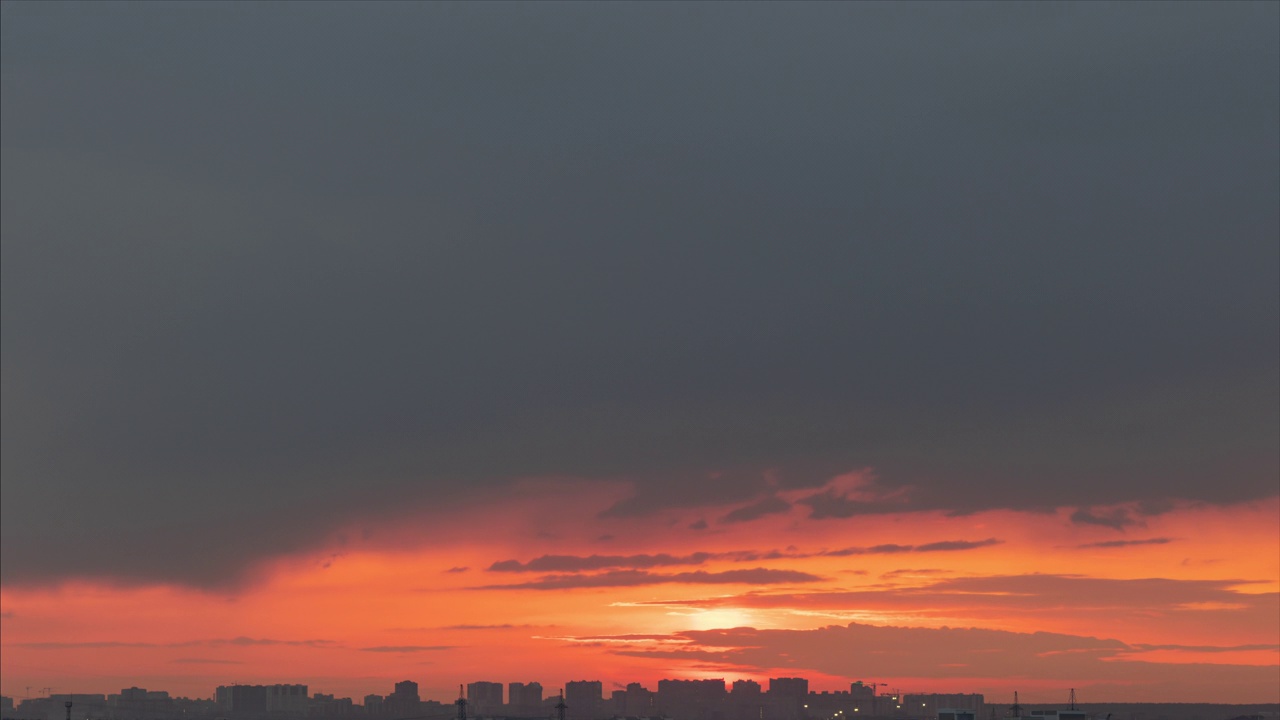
{"x": 1195, "y": 588}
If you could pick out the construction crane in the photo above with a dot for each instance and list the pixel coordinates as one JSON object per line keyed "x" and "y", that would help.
{"x": 873, "y": 686}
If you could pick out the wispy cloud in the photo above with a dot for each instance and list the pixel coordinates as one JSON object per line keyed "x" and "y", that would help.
{"x": 503, "y": 626}
{"x": 576, "y": 563}
{"x": 241, "y": 641}
{"x": 1207, "y": 648}
{"x": 631, "y": 578}
{"x": 581, "y": 563}
{"x": 769, "y": 505}
{"x": 1126, "y": 543}
{"x": 955, "y": 545}
{"x": 1022, "y": 593}
{"x": 407, "y": 648}
{"x": 99, "y": 644}
{"x": 1116, "y": 519}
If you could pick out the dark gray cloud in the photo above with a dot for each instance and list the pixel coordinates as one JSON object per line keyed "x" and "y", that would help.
{"x": 768, "y": 505}
{"x": 956, "y": 545}
{"x": 1116, "y": 519}
{"x": 574, "y": 563}
{"x": 1007, "y": 256}
{"x": 893, "y": 548}
{"x": 580, "y": 563}
{"x": 632, "y": 578}
{"x": 407, "y": 648}
{"x": 1126, "y": 543}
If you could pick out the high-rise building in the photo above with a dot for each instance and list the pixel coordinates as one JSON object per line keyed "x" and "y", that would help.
{"x": 787, "y": 696}
{"x": 287, "y": 700}
{"x": 525, "y": 697}
{"x": 139, "y": 702}
{"x": 584, "y": 698}
{"x": 745, "y": 688}
{"x": 373, "y": 705}
{"x": 404, "y": 702}
{"x": 328, "y": 706}
{"x": 693, "y": 699}
{"x": 277, "y": 700}
{"x": 635, "y": 701}
{"x": 484, "y": 698}
{"x": 862, "y": 693}
{"x": 242, "y": 699}
{"x": 746, "y": 700}
{"x": 789, "y": 687}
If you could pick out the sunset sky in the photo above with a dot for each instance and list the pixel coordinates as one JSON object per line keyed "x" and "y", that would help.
{"x": 930, "y": 344}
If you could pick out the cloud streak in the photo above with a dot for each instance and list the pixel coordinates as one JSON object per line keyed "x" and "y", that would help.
{"x": 240, "y": 642}
{"x": 1126, "y": 543}
{"x": 408, "y": 648}
{"x": 634, "y": 578}
{"x": 574, "y": 563}
{"x": 578, "y": 563}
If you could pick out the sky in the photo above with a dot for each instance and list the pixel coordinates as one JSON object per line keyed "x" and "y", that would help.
{"x": 932, "y": 344}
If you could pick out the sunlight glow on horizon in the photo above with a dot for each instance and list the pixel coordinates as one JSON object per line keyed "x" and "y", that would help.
{"x": 318, "y": 615}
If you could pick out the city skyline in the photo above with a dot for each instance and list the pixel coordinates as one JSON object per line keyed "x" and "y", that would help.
{"x": 931, "y": 343}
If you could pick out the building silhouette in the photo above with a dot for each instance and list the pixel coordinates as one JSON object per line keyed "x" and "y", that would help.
{"x": 695, "y": 699}
{"x": 525, "y": 698}
{"x": 484, "y": 698}
{"x": 404, "y": 702}
{"x": 634, "y": 701}
{"x": 584, "y": 698}
{"x": 787, "y": 698}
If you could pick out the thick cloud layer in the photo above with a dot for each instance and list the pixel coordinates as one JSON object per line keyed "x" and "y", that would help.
{"x": 266, "y": 267}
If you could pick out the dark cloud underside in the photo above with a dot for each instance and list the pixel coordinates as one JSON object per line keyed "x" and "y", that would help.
{"x": 1007, "y": 255}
